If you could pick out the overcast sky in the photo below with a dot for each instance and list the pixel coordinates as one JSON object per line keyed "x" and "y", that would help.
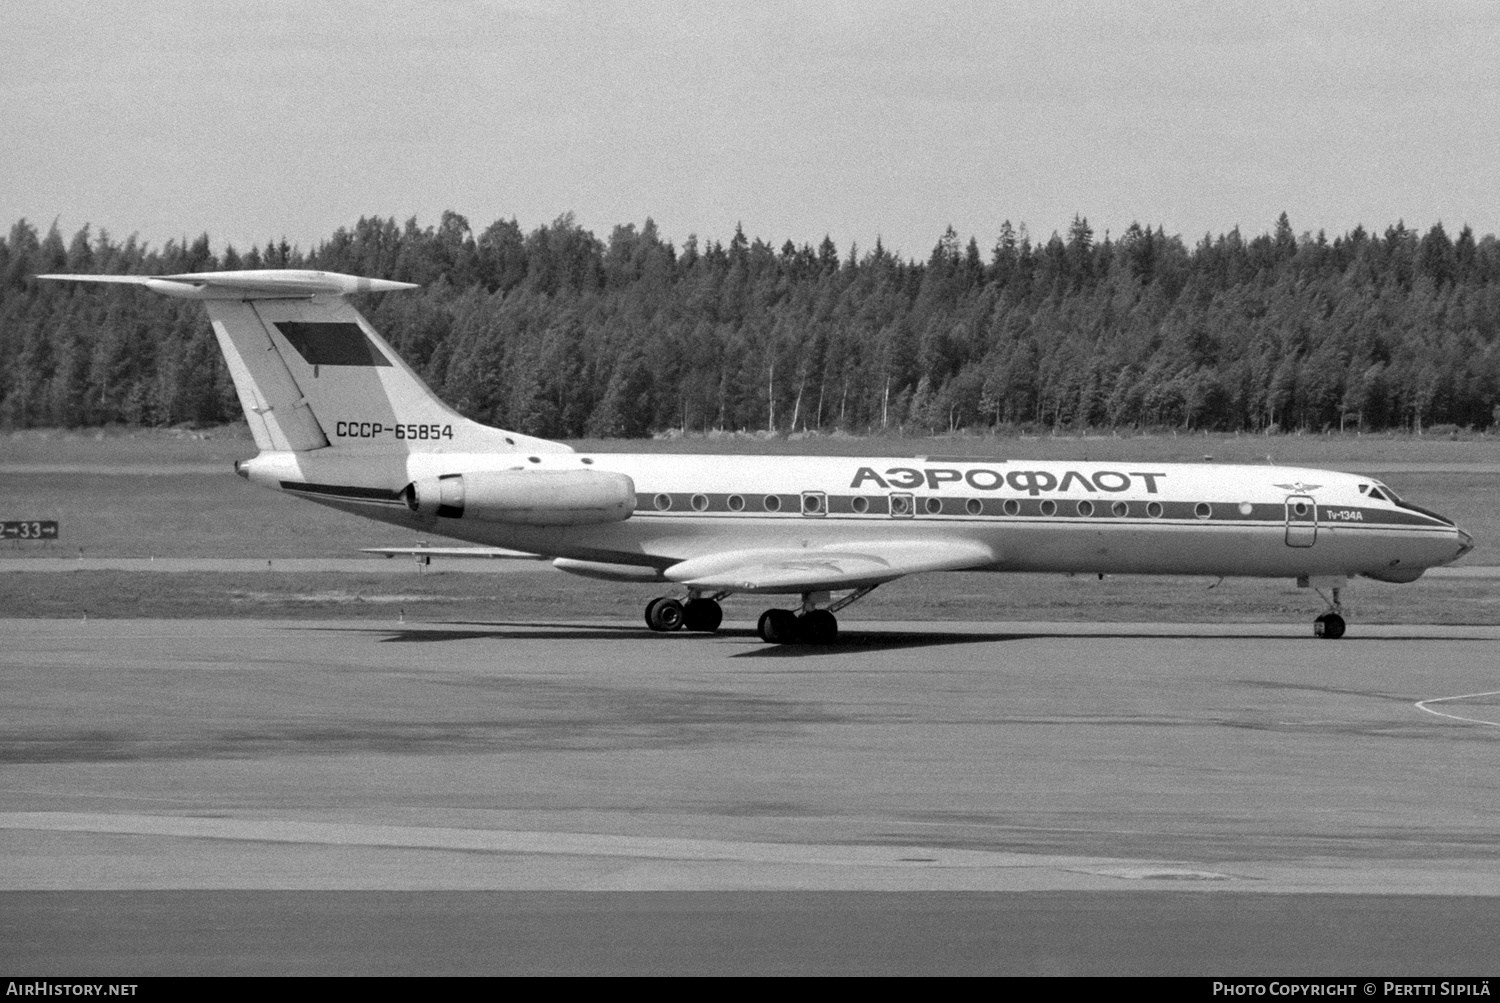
{"x": 254, "y": 120}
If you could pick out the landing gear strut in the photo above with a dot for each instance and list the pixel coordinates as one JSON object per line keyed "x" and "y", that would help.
{"x": 700, "y": 613}
{"x": 1330, "y": 626}
{"x": 814, "y": 624}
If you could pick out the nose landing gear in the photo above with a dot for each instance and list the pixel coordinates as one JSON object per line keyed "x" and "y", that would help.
{"x": 1329, "y": 626}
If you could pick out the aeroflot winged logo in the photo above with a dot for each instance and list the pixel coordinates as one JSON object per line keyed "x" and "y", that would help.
{"x": 1297, "y": 487}
{"x": 1033, "y": 482}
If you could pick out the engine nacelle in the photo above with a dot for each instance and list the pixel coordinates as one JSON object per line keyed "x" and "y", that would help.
{"x": 527, "y": 497}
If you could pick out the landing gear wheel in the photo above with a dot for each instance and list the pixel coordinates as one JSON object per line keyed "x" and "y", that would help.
{"x": 664, "y": 614}
{"x": 819, "y": 627}
{"x": 1329, "y": 626}
{"x": 778, "y": 626}
{"x": 702, "y": 614}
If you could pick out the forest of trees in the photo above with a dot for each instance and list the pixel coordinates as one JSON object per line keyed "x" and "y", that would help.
{"x": 560, "y": 334}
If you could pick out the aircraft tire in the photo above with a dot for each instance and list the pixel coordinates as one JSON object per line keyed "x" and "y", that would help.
{"x": 702, "y": 615}
{"x": 819, "y": 627}
{"x": 664, "y": 615}
{"x": 1329, "y": 626}
{"x": 778, "y": 626}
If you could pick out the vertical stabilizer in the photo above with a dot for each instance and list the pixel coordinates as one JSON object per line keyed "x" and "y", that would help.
{"x": 311, "y": 372}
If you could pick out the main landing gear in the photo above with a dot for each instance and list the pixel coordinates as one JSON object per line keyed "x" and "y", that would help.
{"x": 698, "y": 613}
{"x": 813, "y": 624}
{"x": 782, "y": 626}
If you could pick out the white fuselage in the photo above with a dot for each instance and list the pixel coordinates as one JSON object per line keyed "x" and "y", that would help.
{"x": 342, "y": 420}
{"x": 1113, "y": 517}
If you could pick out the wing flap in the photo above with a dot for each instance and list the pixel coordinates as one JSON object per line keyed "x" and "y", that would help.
{"x": 814, "y": 569}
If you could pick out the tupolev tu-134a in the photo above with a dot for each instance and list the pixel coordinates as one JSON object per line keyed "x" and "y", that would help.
{"x": 341, "y": 420}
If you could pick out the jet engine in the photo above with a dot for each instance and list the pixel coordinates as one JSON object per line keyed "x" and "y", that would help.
{"x": 528, "y": 497}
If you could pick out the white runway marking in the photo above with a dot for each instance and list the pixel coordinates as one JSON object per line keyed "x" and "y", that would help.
{"x": 1422, "y": 705}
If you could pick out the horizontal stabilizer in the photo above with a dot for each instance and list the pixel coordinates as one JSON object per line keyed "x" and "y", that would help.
{"x": 814, "y": 569}
{"x": 265, "y": 283}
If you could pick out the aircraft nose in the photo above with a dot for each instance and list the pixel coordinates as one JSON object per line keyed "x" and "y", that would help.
{"x": 1465, "y": 544}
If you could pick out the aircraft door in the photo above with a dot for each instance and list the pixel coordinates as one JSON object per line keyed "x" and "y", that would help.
{"x": 1301, "y": 521}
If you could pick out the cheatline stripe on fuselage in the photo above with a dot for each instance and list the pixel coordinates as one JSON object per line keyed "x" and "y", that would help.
{"x": 952, "y": 509}
{"x": 679, "y": 504}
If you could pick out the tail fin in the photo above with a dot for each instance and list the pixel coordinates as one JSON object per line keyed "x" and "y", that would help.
{"x": 311, "y": 372}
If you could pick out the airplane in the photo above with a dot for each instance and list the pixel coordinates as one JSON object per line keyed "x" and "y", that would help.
{"x": 340, "y": 419}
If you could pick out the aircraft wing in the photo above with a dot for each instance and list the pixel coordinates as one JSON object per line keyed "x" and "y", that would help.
{"x": 855, "y": 565}
{"x": 492, "y": 552}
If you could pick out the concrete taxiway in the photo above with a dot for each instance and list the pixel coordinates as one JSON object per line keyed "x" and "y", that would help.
{"x": 1176, "y": 764}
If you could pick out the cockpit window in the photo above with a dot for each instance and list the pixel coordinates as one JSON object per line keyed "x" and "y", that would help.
{"x": 1375, "y": 493}
{"x": 1387, "y": 493}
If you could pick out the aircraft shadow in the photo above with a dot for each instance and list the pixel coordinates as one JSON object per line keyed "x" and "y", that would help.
{"x": 855, "y": 641}
{"x": 849, "y": 642}
{"x": 464, "y": 631}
